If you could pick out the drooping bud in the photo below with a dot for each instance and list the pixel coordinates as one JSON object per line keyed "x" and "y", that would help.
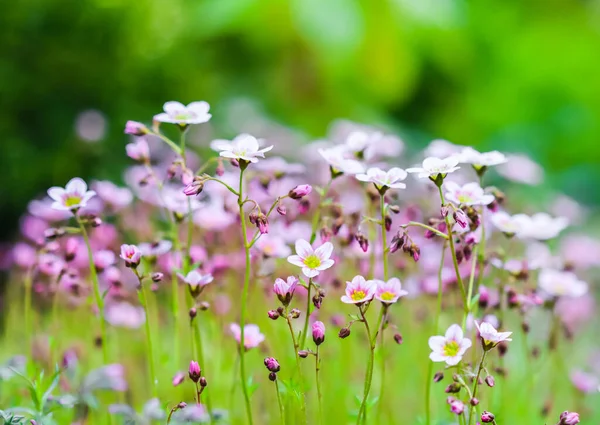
{"x": 398, "y": 338}
{"x": 318, "y": 332}
{"x": 487, "y": 417}
{"x": 457, "y": 407}
{"x": 272, "y": 364}
{"x": 135, "y": 128}
{"x": 394, "y": 208}
{"x": 194, "y": 371}
{"x": 182, "y": 405}
{"x": 295, "y": 313}
{"x": 157, "y": 277}
{"x": 204, "y": 305}
{"x": 444, "y": 211}
{"x": 490, "y": 381}
{"x": 303, "y": 206}
{"x": 194, "y": 188}
{"x": 273, "y": 315}
{"x": 452, "y": 388}
{"x": 281, "y": 210}
{"x": 461, "y": 218}
{"x": 398, "y": 242}
{"x": 262, "y": 222}
{"x": 362, "y": 241}
{"x": 300, "y": 191}
{"x": 303, "y": 354}
{"x": 344, "y": 333}
{"x": 178, "y": 378}
{"x": 253, "y": 217}
{"x": 71, "y": 249}
{"x": 388, "y": 222}
{"x": 220, "y": 168}
{"x": 325, "y": 234}
{"x": 438, "y": 376}
{"x": 193, "y": 312}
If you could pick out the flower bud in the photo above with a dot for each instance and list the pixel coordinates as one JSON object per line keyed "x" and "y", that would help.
{"x": 262, "y": 222}
{"x": 220, "y": 169}
{"x": 318, "y": 332}
{"x": 474, "y": 402}
{"x": 398, "y": 242}
{"x": 253, "y": 217}
{"x": 182, "y": 405}
{"x": 489, "y": 380}
{"x": 194, "y": 371}
{"x": 325, "y": 234}
{"x": 362, "y": 241}
{"x": 71, "y": 249}
{"x": 300, "y": 191}
{"x": 204, "y": 305}
{"x": 271, "y": 364}
{"x": 457, "y": 407}
{"x": 438, "y": 376}
{"x": 303, "y": 354}
{"x": 398, "y": 338}
{"x": 135, "y": 128}
{"x": 157, "y": 277}
{"x": 344, "y": 333}
{"x": 444, "y": 212}
{"x": 394, "y": 208}
{"x": 487, "y": 417}
{"x": 461, "y": 218}
{"x": 317, "y": 301}
{"x": 203, "y": 382}
{"x": 194, "y": 188}
{"x": 272, "y": 376}
{"x": 569, "y": 418}
{"x": 178, "y": 378}
{"x": 193, "y": 312}
{"x": 388, "y": 222}
{"x": 452, "y": 388}
{"x": 273, "y": 315}
{"x": 295, "y": 313}
{"x": 303, "y": 206}
{"x": 281, "y": 210}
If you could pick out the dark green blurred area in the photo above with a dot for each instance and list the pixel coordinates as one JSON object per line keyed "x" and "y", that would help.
{"x": 510, "y": 75}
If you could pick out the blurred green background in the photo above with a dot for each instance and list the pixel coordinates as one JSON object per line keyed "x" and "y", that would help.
{"x": 511, "y": 75}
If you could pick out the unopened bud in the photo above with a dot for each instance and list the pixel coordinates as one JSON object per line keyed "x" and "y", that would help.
{"x": 487, "y": 417}
{"x": 474, "y": 402}
{"x": 203, "y": 382}
{"x": 272, "y": 364}
{"x": 157, "y": 277}
{"x": 362, "y": 241}
{"x": 300, "y": 191}
{"x": 272, "y": 377}
{"x": 295, "y": 313}
{"x": 273, "y": 314}
{"x": 569, "y": 418}
{"x": 182, "y": 405}
{"x": 262, "y": 222}
{"x": 194, "y": 371}
{"x": 398, "y": 338}
{"x": 193, "y": 312}
{"x": 438, "y": 376}
{"x": 388, "y": 222}
{"x": 303, "y": 354}
{"x": 461, "y": 218}
{"x": 204, "y": 305}
{"x": 452, "y": 388}
{"x": 220, "y": 168}
{"x": 490, "y": 381}
{"x": 281, "y": 210}
{"x": 394, "y": 208}
{"x": 303, "y": 206}
{"x": 344, "y": 333}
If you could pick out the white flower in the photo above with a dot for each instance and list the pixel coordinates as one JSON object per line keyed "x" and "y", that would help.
{"x": 336, "y": 157}
{"x": 177, "y": 113}
{"x": 196, "y": 279}
{"x": 560, "y": 283}
{"x": 441, "y": 148}
{"x": 244, "y": 146}
{"x": 540, "y": 226}
{"x": 380, "y": 178}
{"x": 522, "y": 169}
{"x": 432, "y": 167}
{"x": 468, "y": 194}
{"x": 449, "y": 348}
{"x": 506, "y": 223}
{"x": 155, "y": 249}
{"x": 478, "y": 159}
{"x": 369, "y": 144}
{"x": 74, "y": 196}
{"x": 490, "y": 336}
{"x": 312, "y": 261}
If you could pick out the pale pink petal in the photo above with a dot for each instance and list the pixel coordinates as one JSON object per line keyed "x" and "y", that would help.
{"x": 303, "y": 248}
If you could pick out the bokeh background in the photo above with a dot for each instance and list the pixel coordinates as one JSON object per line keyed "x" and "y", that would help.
{"x": 509, "y": 75}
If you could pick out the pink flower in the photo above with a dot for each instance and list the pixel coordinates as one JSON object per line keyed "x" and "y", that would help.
{"x": 389, "y": 292}
{"x": 468, "y": 194}
{"x": 177, "y": 113}
{"x": 194, "y": 371}
{"x": 131, "y": 254}
{"x": 449, "y": 348}
{"x": 252, "y": 335}
{"x": 312, "y": 261}
{"x": 457, "y": 407}
{"x": 318, "y": 332}
{"x": 125, "y": 315}
{"x": 584, "y": 382}
{"x": 569, "y": 418}
{"x": 138, "y": 150}
{"x": 285, "y": 289}
{"x": 359, "y": 290}
{"x": 74, "y": 196}
{"x": 490, "y": 336}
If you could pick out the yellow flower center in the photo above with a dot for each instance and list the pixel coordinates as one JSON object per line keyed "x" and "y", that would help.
{"x": 465, "y": 198}
{"x": 358, "y": 295}
{"x": 72, "y": 201}
{"x": 312, "y": 261}
{"x": 387, "y": 296}
{"x": 451, "y": 349}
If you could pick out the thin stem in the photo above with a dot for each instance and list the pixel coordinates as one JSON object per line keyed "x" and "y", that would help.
{"x": 244, "y": 298}
{"x": 434, "y": 331}
{"x": 97, "y": 294}
{"x": 169, "y": 142}
{"x": 281, "y": 412}
{"x": 144, "y": 300}
{"x": 317, "y": 369}
{"x": 307, "y": 316}
{"x": 471, "y": 280}
{"x": 459, "y": 280}
{"x": 481, "y": 253}
{"x": 385, "y": 277}
{"x": 317, "y": 216}
{"x": 424, "y": 226}
{"x": 476, "y": 385}
{"x": 298, "y": 366}
{"x": 369, "y": 375}
{"x": 28, "y": 285}
{"x": 200, "y": 353}
{"x": 384, "y": 238}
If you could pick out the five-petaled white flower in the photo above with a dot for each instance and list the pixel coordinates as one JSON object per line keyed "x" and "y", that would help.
{"x": 468, "y": 194}
{"x": 389, "y": 292}
{"x": 244, "y": 147}
{"x": 481, "y": 159}
{"x": 561, "y": 283}
{"x": 540, "y": 226}
{"x": 359, "y": 290}
{"x": 449, "y": 348}
{"x": 490, "y": 337}
{"x": 337, "y": 160}
{"x": 312, "y": 261}
{"x": 384, "y": 179}
{"x": 506, "y": 223}
{"x": 433, "y": 167}
{"x": 178, "y": 113}
{"x": 196, "y": 279}
{"x": 74, "y": 196}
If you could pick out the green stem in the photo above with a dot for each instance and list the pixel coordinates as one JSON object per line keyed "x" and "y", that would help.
{"x": 281, "y": 412}
{"x": 200, "y": 353}
{"x": 298, "y": 366}
{"x": 369, "y": 374}
{"x": 481, "y": 252}
{"x": 28, "y": 285}
{"x": 471, "y": 280}
{"x": 307, "y": 316}
{"x": 385, "y": 277}
{"x": 426, "y": 227}
{"x": 459, "y": 280}
{"x": 434, "y": 331}
{"x": 97, "y": 294}
{"x": 319, "y": 397}
{"x": 476, "y": 385}
{"x": 244, "y": 298}
{"x": 317, "y": 216}
{"x": 144, "y": 300}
